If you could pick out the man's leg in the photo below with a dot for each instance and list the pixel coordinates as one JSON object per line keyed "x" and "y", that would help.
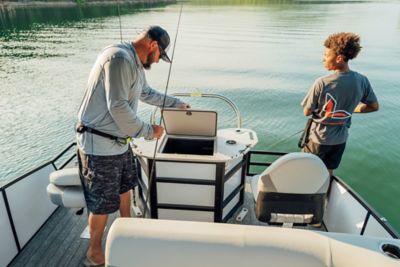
{"x": 331, "y": 155}
{"x": 125, "y": 204}
{"x": 334, "y": 156}
{"x": 99, "y": 176}
{"x": 127, "y": 184}
{"x": 97, "y": 224}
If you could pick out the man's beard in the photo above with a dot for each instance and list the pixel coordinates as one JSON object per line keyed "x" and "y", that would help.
{"x": 149, "y": 61}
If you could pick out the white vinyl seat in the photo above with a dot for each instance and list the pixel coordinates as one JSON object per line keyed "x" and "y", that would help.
{"x": 151, "y": 243}
{"x": 292, "y": 190}
{"x": 65, "y": 188}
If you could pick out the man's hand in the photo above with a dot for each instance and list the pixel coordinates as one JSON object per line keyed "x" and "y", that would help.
{"x": 183, "y": 106}
{"x": 157, "y": 131}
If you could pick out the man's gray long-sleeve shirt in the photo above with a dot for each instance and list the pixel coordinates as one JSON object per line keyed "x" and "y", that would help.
{"x": 116, "y": 82}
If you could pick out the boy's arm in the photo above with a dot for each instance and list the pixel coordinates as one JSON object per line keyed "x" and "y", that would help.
{"x": 306, "y": 111}
{"x": 369, "y": 102}
{"x": 310, "y": 102}
{"x": 366, "y": 108}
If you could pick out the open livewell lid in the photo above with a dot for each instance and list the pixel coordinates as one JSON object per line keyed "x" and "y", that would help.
{"x": 190, "y": 122}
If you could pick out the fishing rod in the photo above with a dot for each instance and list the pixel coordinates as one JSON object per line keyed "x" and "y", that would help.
{"x": 161, "y": 117}
{"x": 119, "y": 18}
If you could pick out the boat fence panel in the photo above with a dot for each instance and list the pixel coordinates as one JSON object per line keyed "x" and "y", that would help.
{"x": 29, "y": 202}
{"x": 8, "y": 247}
{"x": 229, "y": 165}
{"x": 186, "y": 170}
{"x": 344, "y": 214}
{"x": 232, "y": 183}
{"x": 189, "y": 194}
{"x": 186, "y": 215}
{"x": 374, "y": 228}
{"x": 230, "y": 206}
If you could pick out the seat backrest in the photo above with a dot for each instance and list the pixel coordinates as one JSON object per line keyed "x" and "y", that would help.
{"x": 294, "y": 184}
{"x": 144, "y": 242}
{"x": 298, "y": 172}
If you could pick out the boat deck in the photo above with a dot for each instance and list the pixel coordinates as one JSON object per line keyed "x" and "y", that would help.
{"x": 58, "y": 242}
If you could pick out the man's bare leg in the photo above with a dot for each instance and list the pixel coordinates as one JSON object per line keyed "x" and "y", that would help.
{"x": 330, "y": 172}
{"x": 97, "y": 224}
{"x": 125, "y": 204}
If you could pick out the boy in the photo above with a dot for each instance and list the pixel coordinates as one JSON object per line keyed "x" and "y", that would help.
{"x": 333, "y": 98}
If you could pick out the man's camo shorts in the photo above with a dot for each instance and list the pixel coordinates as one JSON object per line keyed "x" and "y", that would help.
{"x": 104, "y": 178}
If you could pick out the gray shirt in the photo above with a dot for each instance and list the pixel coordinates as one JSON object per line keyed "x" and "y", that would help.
{"x": 116, "y": 82}
{"x": 332, "y": 100}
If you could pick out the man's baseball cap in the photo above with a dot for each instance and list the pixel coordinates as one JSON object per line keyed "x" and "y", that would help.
{"x": 161, "y": 36}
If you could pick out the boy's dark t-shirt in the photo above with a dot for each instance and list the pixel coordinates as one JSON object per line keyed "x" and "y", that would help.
{"x": 332, "y": 100}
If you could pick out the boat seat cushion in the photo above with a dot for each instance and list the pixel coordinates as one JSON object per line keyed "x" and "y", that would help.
{"x": 65, "y": 188}
{"x": 293, "y": 190}
{"x": 66, "y": 196}
{"x": 144, "y": 242}
{"x": 151, "y": 243}
{"x": 65, "y": 177}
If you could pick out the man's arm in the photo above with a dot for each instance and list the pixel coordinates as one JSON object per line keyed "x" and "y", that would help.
{"x": 366, "y": 108}
{"x": 156, "y": 98}
{"x": 117, "y": 81}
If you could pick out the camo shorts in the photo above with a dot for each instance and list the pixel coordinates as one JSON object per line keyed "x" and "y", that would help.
{"x": 104, "y": 178}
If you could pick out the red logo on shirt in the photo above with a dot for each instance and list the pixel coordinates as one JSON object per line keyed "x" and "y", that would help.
{"x": 330, "y": 109}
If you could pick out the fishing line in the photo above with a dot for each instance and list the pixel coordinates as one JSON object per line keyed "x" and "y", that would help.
{"x": 119, "y": 18}
{"x": 286, "y": 138}
{"x": 161, "y": 117}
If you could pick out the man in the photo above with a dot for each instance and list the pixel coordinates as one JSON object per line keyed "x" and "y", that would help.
{"x": 333, "y": 98}
{"x": 107, "y": 119}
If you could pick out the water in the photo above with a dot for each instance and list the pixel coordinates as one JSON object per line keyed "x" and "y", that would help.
{"x": 264, "y": 55}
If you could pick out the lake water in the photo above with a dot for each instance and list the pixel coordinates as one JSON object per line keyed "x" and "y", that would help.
{"x": 264, "y": 55}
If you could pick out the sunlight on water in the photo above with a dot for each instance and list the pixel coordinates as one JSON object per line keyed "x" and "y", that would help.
{"x": 264, "y": 55}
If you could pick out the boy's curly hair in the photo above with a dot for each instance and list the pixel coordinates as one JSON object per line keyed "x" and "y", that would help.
{"x": 344, "y": 43}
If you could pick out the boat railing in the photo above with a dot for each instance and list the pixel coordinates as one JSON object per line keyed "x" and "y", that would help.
{"x": 25, "y": 206}
{"x": 344, "y": 203}
{"x": 199, "y": 94}
{"x": 25, "y": 200}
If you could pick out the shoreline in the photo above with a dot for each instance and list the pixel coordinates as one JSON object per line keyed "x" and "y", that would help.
{"x": 12, "y": 4}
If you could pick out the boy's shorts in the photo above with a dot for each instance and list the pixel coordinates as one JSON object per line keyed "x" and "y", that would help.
{"x": 331, "y": 155}
{"x": 104, "y": 178}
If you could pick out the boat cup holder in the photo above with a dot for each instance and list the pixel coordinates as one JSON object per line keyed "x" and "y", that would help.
{"x": 231, "y": 142}
{"x": 391, "y": 250}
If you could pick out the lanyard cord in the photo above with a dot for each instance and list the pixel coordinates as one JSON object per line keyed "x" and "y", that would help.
{"x": 161, "y": 118}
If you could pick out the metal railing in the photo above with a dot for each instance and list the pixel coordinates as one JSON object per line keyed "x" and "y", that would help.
{"x": 12, "y": 190}
{"x": 198, "y": 94}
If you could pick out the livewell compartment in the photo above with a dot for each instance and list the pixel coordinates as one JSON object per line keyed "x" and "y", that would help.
{"x": 189, "y": 146}
{"x": 191, "y": 132}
